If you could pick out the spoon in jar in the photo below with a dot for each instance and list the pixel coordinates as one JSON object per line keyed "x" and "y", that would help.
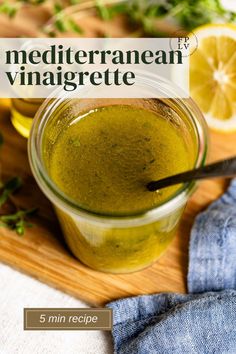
{"x": 224, "y": 168}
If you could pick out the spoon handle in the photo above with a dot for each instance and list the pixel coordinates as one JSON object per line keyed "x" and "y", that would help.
{"x": 223, "y": 168}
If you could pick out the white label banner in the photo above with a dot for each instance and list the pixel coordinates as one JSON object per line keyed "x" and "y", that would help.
{"x": 94, "y": 67}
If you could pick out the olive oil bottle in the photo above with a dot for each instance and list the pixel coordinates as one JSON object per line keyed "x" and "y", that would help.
{"x": 23, "y": 111}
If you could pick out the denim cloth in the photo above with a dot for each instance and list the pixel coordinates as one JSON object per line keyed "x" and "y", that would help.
{"x": 202, "y": 322}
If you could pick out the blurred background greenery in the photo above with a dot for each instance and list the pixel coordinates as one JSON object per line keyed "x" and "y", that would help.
{"x": 108, "y": 18}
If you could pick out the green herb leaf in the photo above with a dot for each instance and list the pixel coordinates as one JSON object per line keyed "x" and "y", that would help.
{"x": 117, "y": 9}
{"x": 102, "y": 10}
{"x": 17, "y": 221}
{"x": 8, "y": 9}
{"x": 74, "y": 26}
{"x": 57, "y": 8}
{"x": 19, "y": 226}
{"x": 75, "y": 2}
{"x": 60, "y": 25}
{"x": 9, "y": 188}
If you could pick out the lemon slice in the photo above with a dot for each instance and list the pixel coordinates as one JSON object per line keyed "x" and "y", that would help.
{"x": 213, "y": 75}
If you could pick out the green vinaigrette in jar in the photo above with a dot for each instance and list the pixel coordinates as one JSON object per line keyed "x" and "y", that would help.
{"x": 102, "y": 160}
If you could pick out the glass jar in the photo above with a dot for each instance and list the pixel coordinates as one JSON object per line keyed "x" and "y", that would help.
{"x": 117, "y": 244}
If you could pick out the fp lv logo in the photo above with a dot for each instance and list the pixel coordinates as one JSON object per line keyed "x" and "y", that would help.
{"x": 183, "y": 43}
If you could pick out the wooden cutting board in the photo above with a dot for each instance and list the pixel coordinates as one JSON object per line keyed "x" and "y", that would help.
{"x": 41, "y": 252}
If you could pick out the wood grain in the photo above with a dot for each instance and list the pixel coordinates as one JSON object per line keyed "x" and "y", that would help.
{"x": 42, "y": 253}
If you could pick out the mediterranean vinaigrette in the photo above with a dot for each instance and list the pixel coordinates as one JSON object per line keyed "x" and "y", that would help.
{"x": 105, "y": 157}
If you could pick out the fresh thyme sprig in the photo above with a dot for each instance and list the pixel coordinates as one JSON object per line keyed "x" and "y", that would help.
{"x": 9, "y": 9}
{"x": 9, "y": 188}
{"x": 103, "y": 11}
{"x": 62, "y": 22}
{"x": 17, "y": 221}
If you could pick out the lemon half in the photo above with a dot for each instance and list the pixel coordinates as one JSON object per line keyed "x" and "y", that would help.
{"x": 213, "y": 75}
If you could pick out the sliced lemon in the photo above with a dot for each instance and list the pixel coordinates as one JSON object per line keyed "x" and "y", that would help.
{"x": 213, "y": 75}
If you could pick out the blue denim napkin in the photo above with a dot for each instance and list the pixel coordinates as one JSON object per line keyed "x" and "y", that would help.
{"x": 202, "y": 322}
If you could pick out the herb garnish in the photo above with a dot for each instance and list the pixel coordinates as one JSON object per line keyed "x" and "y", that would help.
{"x": 9, "y": 188}
{"x": 17, "y": 220}
{"x": 103, "y": 11}
{"x": 187, "y": 13}
{"x": 9, "y": 9}
{"x": 64, "y": 23}
{"x": 144, "y": 13}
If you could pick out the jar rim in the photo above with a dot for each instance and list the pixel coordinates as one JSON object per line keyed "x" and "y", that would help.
{"x": 58, "y": 198}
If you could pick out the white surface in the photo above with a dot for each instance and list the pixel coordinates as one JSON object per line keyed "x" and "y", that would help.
{"x": 18, "y": 291}
{"x": 229, "y": 4}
